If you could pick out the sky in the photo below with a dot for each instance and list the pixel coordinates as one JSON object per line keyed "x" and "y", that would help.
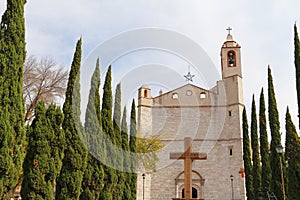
{"x": 264, "y": 29}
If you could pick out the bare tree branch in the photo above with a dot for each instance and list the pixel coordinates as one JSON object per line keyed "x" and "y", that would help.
{"x": 44, "y": 80}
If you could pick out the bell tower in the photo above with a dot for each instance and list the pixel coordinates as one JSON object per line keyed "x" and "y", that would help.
{"x": 232, "y": 70}
{"x": 145, "y": 104}
{"x": 231, "y": 57}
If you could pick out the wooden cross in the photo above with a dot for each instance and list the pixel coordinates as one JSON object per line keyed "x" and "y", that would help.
{"x": 188, "y": 156}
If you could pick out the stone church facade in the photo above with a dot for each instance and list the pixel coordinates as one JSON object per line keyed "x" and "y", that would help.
{"x": 213, "y": 119}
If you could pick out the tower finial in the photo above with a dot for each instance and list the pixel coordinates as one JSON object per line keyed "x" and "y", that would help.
{"x": 229, "y": 36}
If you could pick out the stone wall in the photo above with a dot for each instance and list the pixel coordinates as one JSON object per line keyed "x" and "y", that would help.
{"x": 215, "y": 130}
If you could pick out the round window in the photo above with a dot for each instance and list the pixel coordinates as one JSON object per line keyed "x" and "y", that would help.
{"x": 189, "y": 93}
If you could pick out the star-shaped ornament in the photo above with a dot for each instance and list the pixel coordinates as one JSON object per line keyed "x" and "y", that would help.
{"x": 189, "y": 77}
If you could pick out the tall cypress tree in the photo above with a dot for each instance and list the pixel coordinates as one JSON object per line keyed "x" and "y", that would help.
{"x": 126, "y": 157}
{"x": 57, "y": 143}
{"x": 39, "y": 166}
{"x": 118, "y": 139}
{"x": 292, "y": 156}
{"x": 92, "y": 182}
{"x": 275, "y": 139}
{"x": 12, "y": 57}
{"x": 247, "y": 158}
{"x": 117, "y": 115}
{"x": 106, "y": 111}
{"x": 297, "y": 66}
{"x": 256, "y": 170}
{"x": 74, "y": 162}
{"x": 264, "y": 147}
{"x": 110, "y": 179}
{"x": 132, "y": 147}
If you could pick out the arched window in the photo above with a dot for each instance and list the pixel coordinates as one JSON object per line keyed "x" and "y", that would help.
{"x": 145, "y": 93}
{"x": 194, "y": 193}
{"x": 175, "y": 96}
{"x": 197, "y": 185}
{"x": 231, "y": 59}
{"x": 202, "y": 95}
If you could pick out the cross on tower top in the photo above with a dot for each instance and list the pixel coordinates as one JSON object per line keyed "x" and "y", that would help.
{"x": 229, "y": 29}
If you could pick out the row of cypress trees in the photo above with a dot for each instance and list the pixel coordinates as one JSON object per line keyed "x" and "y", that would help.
{"x": 263, "y": 168}
{"x": 57, "y": 163}
{"x": 92, "y": 169}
